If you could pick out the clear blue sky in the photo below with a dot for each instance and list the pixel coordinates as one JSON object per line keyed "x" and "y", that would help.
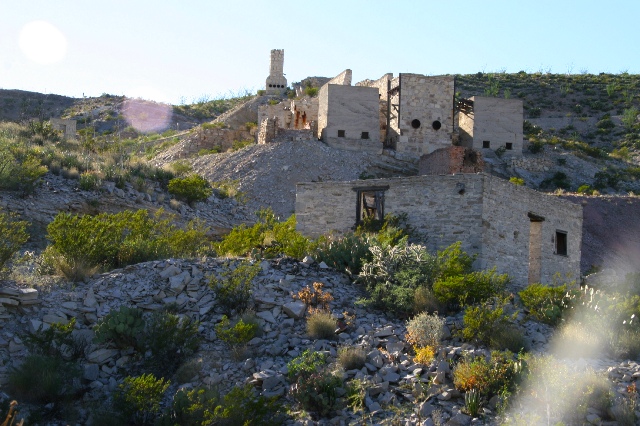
{"x": 178, "y": 51}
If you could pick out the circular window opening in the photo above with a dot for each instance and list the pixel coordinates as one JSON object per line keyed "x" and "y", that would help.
{"x": 436, "y": 125}
{"x": 415, "y": 123}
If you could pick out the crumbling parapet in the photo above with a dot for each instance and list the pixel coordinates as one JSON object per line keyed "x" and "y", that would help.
{"x": 451, "y": 160}
{"x": 67, "y": 127}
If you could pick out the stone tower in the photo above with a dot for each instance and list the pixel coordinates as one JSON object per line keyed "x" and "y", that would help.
{"x": 276, "y": 82}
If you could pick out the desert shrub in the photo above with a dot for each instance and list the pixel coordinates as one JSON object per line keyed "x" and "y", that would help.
{"x": 425, "y": 330}
{"x": 123, "y": 328}
{"x": 236, "y": 336}
{"x": 424, "y": 355}
{"x": 188, "y": 370}
{"x": 42, "y": 379}
{"x": 104, "y": 241}
{"x": 345, "y": 253}
{"x": 311, "y": 91}
{"x": 321, "y": 325}
{"x": 168, "y": 339}
{"x": 228, "y": 188}
{"x": 352, "y": 357}
{"x": 189, "y": 407}
{"x": 314, "y": 387}
{"x": 267, "y": 238}
{"x": 20, "y": 169}
{"x": 544, "y": 303}
{"x": 487, "y": 376}
{"x": 233, "y": 288}
{"x": 241, "y": 406}
{"x": 357, "y": 394}
{"x": 238, "y": 145}
{"x": 467, "y": 289}
{"x": 191, "y": 189}
{"x": 57, "y": 341}
{"x": 536, "y": 146}
{"x": 181, "y": 167}
{"x": 630, "y": 117}
{"x": 315, "y": 297}
{"x": 138, "y": 398}
{"x": 488, "y": 323}
{"x": 395, "y": 274}
{"x": 14, "y": 235}
{"x": 516, "y": 181}
{"x": 88, "y": 181}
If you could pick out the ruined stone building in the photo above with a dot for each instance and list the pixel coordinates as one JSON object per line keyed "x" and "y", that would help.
{"x": 522, "y": 232}
{"x": 67, "y": 127}
{"x": 491, "y": 123}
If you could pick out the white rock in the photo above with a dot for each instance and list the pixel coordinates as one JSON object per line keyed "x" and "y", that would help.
{"x": 295, "y": 309}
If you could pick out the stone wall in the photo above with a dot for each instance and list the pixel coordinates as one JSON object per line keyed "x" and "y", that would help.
{"x": 276, "y": 83}
{"x": 268, "y": 129}
{"x": 348, "y": 117}
{"x": 344, "y": 78}
{"x": 291, "y": 114}
{"x": 214, "y": 138}
{"x": 67, "y": 127}
{"x": 494, "y": 122}
{"x": 281, "y": 111}
{"x": 450, "y": 160}
{"x": 488, "y": 215}
{"x": 424, "y": 121}
{"x": 507, "y": 228}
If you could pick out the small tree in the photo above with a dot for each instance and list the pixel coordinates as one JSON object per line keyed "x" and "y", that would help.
{"x": 190, "y": 189}
{"x": 14, "y": 235}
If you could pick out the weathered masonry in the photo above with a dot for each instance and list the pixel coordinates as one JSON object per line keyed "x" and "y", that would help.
{"x": 276, "y": 82}
{"x": 67, "y": 127}
{"x": 491, "y": 123}
{"x": 530, "y": 235}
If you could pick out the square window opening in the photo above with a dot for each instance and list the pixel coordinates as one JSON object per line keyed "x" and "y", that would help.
{"x": 509, "y": 145}
{"x": 370, "y": 205}
{"x": 364, "y": 135}
{"x": 561, "y": 243}
{"x": 341, "y": 133}
{"x": 486, "y": 144}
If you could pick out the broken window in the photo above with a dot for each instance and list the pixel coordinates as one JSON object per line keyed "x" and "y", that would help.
{"x": 509, "y": 145}
{"x": 486, "y": 144}
{"x": 364, "y": 135}
{"x": 561, "y": 243}
{"x": 370, "y": 204}
{"x": 341, "y": 133}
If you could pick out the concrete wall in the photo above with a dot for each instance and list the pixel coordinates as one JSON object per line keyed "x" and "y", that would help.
{"x": 344, "y": 78}
{"x": 429, "y": 100}
{"x": 276, "y": 82}
{"x": 488, "y": 215}
{"x": 304, "y": 111}
{"x": 67, "y": 127}
{"x": 507, "y": 226}
{"x": 498, "y": 121}
{"x": 349, "y": 110}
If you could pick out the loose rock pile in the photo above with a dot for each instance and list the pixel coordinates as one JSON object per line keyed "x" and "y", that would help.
{"x": 390, "y": 368}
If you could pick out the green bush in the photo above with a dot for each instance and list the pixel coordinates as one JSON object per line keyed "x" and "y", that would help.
{"x": 516, "y": 181}
{"x": 233, "y": 288}
{"x": 545, "y": 303}
{"x": 20, "y": 169}
{"x": 190, "y": 407}
{"x": 191, "y": 189}
{"x": 42, "y": 379}
{"x": 104, "y": 241}
{"x": 57, "y": 341}
{"x": 352, "y": 357}
{"x": 467, "y": 289}
{"x": 241, "y": 406}
{"x": 313, "y": 385}
{"x": 346, "y": 253}
{"x": 236, "y": 336}
{"x": 489, "y": 324}
{"x": 169, "y": 340}
{"x": 267, "y": 238}
{"x": 14, "y": 235}
{"x": 123, "y": 328}
{"x": 138, "y": 398}
{"x": 312, "y": 92}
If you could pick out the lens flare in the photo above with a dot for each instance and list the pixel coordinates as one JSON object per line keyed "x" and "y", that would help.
{"x": 147, "y": 116}
{"x": 42, "y": 43}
